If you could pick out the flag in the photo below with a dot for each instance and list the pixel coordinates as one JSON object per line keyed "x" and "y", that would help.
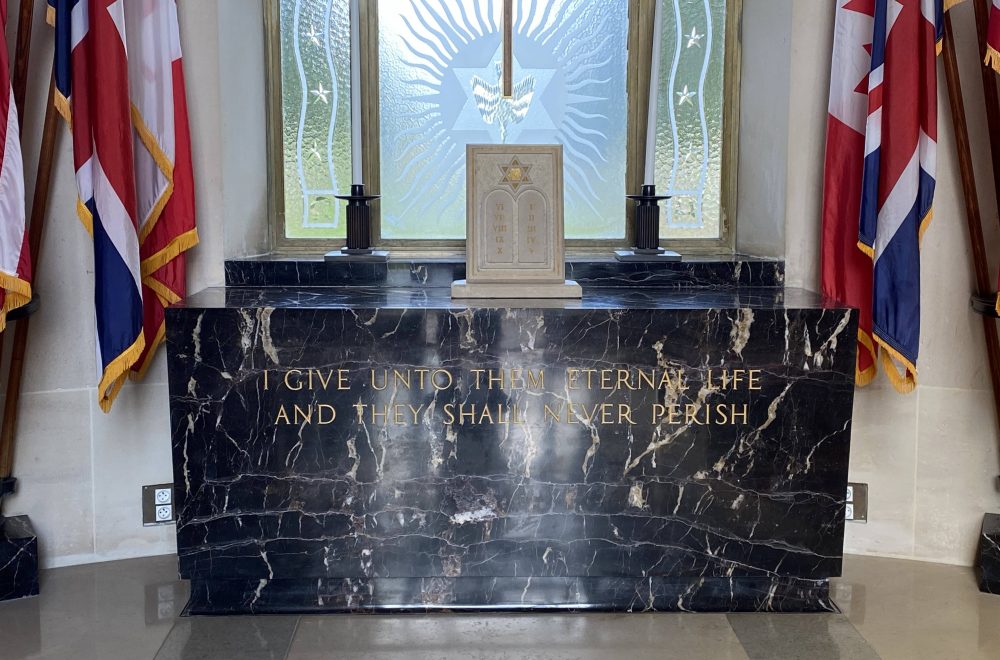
{"x": 899, "y": 174}
{"x": 993, "y": 41}
{"x": 846, "y": 271}
{"x": 92, "y": 76}
{"x": 15, "y": 258}
{"x": 160, "y": 145}
{"x": 164, "y": 174}
{"x": 993, "y": 60}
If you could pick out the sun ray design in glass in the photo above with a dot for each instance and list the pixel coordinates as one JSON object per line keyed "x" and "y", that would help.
{"x": 441, "y": 90}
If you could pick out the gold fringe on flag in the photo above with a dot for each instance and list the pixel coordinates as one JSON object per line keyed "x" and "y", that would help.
{"x": 992, "y": 58}
{"x": 86, "y": 219}
{"x": 62, "y": 105}
{"x": 18, "y": 293}
{"x": 903, "y": 379}
{"x": 924, "y": 224}
{"x": 166, "y": 168}
{"x": 178, "y": 244}
{"x": 116, "y": 373}
{"x": 175, "y": 248}
{"x": 864, "y": 377}
{"x": 166, "y": 297}
{"x": 144, "y": 367}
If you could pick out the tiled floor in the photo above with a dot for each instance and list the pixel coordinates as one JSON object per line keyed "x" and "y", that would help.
{"x": 127, "y": 610}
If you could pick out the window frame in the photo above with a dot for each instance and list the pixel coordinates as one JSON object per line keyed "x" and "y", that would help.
{"x": 640, "y": 39}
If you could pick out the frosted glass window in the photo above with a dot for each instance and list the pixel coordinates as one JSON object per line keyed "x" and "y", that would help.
{"x": 690, "y": 117}
{"x": 440, "y": 90}
{"x": 316, "y": 115}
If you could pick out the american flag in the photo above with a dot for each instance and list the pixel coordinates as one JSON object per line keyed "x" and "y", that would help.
{"x": 15, "y": 260}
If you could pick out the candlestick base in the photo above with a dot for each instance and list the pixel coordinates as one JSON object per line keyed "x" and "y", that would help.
{"x": 359, "y": 256}
{"x": 647, "y": 256}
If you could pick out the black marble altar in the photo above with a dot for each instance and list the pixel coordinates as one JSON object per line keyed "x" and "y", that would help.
{"x": 989, "y": 554}
{"x": 572, "y": 512}
{"x": 18, "y": 558}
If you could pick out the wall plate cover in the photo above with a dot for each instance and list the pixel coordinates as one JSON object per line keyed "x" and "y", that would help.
{"x": 158, "y": 505}
{"x": 856, "y": 509}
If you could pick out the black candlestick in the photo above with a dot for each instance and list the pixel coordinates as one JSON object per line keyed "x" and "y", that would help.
{"x": 647, "y": 229}
{"x": 359, "y": 220}
{"x": 359, "y": 229}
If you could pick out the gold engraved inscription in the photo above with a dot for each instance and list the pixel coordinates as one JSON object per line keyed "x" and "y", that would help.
{"x": 668, "y": 406}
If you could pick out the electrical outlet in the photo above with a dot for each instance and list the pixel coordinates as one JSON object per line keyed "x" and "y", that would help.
{"x": 856, "y": 508}
{"x": 158, "y": 504}
{"x": 163, "y": 495}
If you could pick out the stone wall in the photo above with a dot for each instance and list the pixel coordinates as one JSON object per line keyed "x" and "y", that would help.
{"x": 929, "y": 457}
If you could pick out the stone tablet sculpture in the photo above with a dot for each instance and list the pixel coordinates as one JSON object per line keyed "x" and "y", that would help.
{"x": 514, "y": 225}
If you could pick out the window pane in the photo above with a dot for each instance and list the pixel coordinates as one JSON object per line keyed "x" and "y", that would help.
{"x": 440, "y": 91}
{"x": 689, "y": 117}
{"x": 316, "y": 115}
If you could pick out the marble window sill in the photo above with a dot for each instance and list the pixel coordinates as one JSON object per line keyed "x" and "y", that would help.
{"x": 702, "y": 272}
{"x": 438, "y": 298}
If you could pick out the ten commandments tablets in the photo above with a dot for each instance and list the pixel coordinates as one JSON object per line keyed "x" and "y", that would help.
{"x": 514, "y": 224}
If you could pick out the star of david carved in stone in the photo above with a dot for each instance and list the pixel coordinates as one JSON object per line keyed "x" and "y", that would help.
{"x": 515, "y": 174}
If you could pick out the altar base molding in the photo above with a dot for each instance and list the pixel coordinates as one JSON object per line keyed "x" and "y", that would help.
{"x": 386, "y": 448}
{"x": 509, "y": 594}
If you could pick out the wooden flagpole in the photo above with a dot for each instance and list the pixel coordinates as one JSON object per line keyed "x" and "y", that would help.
{"x": 19, "y": 85}
{"x": 980, "y": 263}
{"x": 22, "y": 52}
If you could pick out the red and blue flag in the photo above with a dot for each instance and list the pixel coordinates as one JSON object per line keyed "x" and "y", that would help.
{"x": 91, "y": 68}
{"x": 900, "y": 173}
{"x": 15, "y": 258}
{"x": 880, "y": 192}
{"x": 136, "y": 69}
{"x": 993, "y": 38}
{"x": 993, "y": 60}
{"x": 846, "y": 271}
